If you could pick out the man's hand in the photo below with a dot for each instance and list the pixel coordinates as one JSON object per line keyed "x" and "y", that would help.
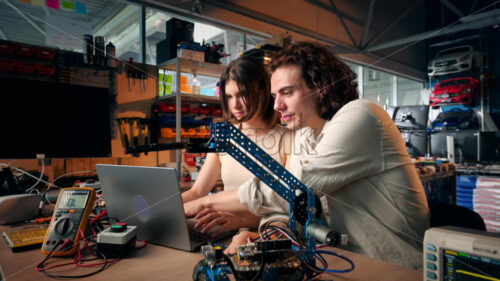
{"x": 240, "y": 239}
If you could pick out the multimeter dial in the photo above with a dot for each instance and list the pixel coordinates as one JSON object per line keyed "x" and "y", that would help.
{"x": 64, "y": 227}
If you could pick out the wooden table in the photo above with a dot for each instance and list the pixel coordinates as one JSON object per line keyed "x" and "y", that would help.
{"x": 161, "y": 263}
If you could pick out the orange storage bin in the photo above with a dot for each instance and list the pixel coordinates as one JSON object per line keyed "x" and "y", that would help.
{"x": 168, "y": 133}
{"x": 191, "y": 132}
{"x": 202, "y": 133}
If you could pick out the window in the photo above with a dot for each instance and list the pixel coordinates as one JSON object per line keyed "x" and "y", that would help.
{"x": 356, "y": 69}
{"x": 410, "y": 92}
{"x": 63, "y": 28}
{"x": 379, "y": 87}
{"x": 233, "y": 41}
{"x": 123, "y": 31}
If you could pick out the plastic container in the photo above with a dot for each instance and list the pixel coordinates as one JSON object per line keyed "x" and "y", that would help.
{"x": 196, "y": 86}
{"x": 110, "y": 55}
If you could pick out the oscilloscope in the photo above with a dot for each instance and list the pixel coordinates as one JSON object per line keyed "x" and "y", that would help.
{"x": 454, "y": 254}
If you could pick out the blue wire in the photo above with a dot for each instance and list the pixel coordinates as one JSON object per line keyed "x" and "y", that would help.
{"x": 340, "y": 256}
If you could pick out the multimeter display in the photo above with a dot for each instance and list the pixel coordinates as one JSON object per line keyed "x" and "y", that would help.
{"x": 73, "y": 200}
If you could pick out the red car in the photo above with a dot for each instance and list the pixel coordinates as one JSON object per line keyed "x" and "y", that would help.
{"x": 454, "y": 91}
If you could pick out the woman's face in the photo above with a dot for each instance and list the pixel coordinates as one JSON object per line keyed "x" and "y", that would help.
{"x": 293, "y": 99}
{"x": 235, "y": 102}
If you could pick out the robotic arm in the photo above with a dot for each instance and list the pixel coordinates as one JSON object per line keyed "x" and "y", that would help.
{"x": 304, "y": 204}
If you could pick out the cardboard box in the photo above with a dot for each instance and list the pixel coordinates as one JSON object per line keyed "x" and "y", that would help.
{"x": 190, "y": 54}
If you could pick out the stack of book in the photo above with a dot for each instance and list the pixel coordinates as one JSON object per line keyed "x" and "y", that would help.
{"x": 482, "y": 195}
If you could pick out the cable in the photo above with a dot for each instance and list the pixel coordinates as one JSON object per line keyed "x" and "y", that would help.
{"x": 340, "y": 256}
{"x": 104, "y": 264}
{"x": 50, "y": 184}
{"x": 39, "y": 179}
{"x": 48, "y": 256}
{"x": 231, "y": 267}
{"x": 145, "y": 243}
{"x": 24, "y": 172}
{"x": 77, "y": 260}
{"x": 86, "y": 244}
{"x": 262, "y": 265}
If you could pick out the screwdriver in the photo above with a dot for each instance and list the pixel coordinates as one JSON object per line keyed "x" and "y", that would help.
{"x": 124, "y": 129}
{"x": 135, "y": 132}
{"x": 42, "y": 220}
{"x": 146, "y": 136}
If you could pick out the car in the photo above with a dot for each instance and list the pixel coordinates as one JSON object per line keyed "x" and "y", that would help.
{"x": 455, "y": 119}
{"x": 460, "y": 90}
{"x": 454, "y": 60}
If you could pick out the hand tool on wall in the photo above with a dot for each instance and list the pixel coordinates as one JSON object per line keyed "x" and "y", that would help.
{"x": 129, "y": 75}
{"x": 135, "y": 132}
{"x": 146, "y": 135}
{"x": 123, "y": 129}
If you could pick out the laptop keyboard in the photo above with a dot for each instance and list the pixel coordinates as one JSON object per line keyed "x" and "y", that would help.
{"x": 200, "y": 238}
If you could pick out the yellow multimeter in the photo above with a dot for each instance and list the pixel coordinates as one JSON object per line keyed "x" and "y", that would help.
{"x": 70, "y": 216}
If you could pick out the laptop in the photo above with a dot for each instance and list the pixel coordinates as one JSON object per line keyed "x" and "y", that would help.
{"x": 150, "y": 198}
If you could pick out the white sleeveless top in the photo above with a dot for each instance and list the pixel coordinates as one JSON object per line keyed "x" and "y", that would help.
{"x": 233, "y": 174}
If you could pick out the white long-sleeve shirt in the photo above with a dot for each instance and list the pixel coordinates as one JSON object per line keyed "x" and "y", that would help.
{"x": 369, "y": 188}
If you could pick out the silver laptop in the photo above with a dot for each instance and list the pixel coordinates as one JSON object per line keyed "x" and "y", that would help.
{"x": 149, "y": 198}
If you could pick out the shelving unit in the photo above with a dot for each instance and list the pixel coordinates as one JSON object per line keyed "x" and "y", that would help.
{"x": 181, "y": 65}
{"x": 479, "y": 44}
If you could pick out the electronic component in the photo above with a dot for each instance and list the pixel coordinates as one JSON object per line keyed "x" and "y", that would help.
{"x": 453, "y": 253}
{"x": 117, "y": 240}
{"x": 325, "y": 235}
{"x": 26, "y": 238}
{"x": 274, "y": 259}
{"x": 70, "y": 217}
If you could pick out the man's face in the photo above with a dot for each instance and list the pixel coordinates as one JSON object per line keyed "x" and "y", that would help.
{"x": 293, "y": 99}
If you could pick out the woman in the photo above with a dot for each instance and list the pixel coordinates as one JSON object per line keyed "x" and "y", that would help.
{"x": 350, "y": 153}
{"x": 246, "y": 101}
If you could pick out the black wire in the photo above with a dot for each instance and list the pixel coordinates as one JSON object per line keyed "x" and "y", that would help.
{"x": 50, "y": 253}
{"x": 80, "y": 276}
{"x": 262, "y": 265}
{"x": 231, "y": 267}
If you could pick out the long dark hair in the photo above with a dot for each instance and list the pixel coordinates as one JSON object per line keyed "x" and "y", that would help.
{"x": 323, "y": 70}
{"x": 254, "y": 86}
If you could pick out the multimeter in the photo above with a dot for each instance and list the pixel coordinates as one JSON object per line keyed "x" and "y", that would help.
{"x": 70, "y": 216}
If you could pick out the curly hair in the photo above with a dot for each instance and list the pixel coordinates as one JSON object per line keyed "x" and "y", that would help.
{"x": 322, "y": 70}
{"x": 254, "y": 86}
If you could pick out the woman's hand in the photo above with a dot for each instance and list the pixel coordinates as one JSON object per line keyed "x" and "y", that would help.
{"x": 209, "y": 219}
{"x": 192, "y": 208}
{"x": 240, "y": 239}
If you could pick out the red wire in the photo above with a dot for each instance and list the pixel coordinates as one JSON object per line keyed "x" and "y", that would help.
{"x": 66, "y": 242}
{"x": 86, "y": 244}
{"x": 99, "y": 263}
{"x": 98, "y": 217}
{"x": 78, "y": 257}
{"x": 143, "y": 245}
